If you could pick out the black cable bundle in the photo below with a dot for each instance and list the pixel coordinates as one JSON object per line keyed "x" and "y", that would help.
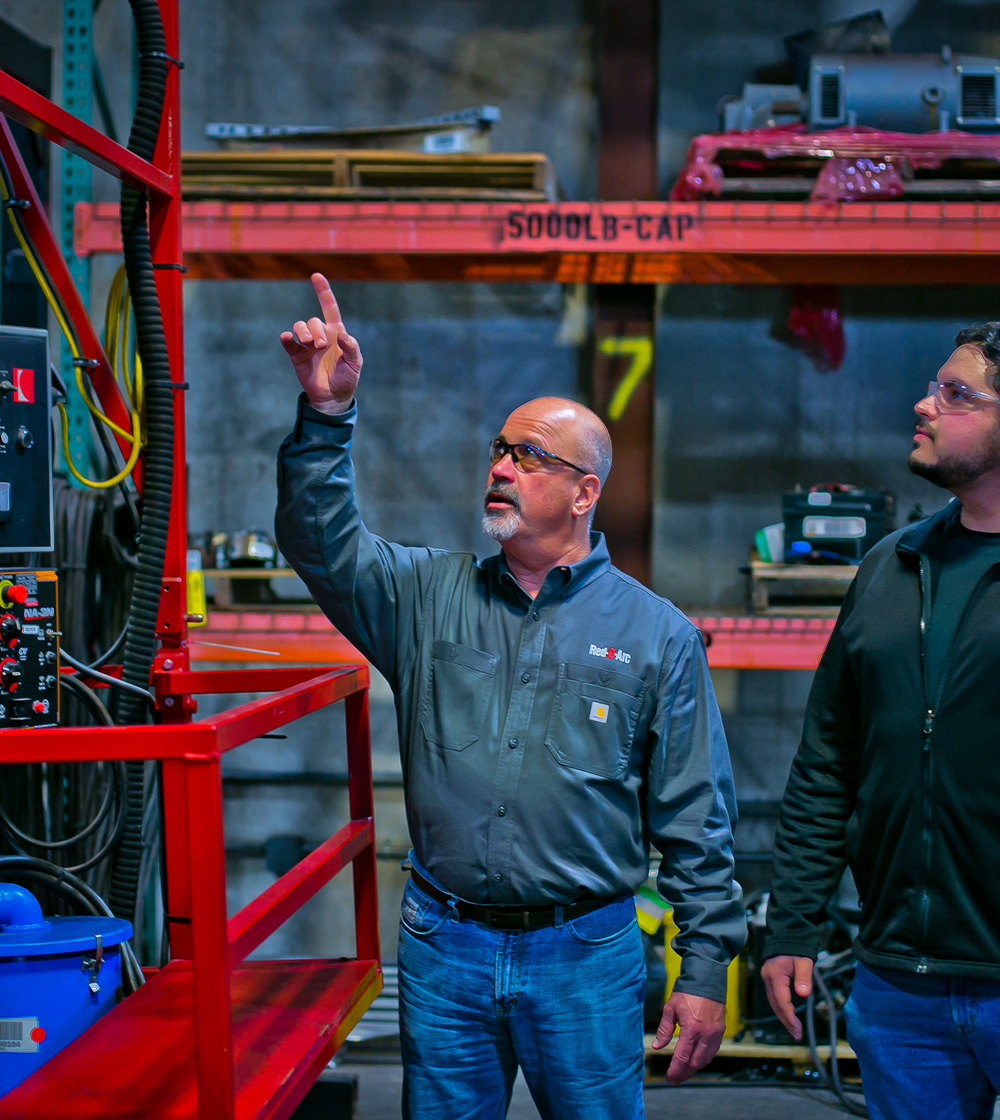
{"x": 140, "y": 644}
{"x": 74, "y": 812}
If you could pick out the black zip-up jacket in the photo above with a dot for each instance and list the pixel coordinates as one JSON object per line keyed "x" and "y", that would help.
{"x": 902, "y": 785}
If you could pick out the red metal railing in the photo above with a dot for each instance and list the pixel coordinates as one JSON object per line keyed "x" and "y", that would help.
{"x": 248, "y": 1060}
{"x": 210, "y": 1035}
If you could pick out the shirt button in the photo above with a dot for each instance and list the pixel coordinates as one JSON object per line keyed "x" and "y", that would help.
{"x": 535, "y": 615}
{"x": 498, "y": 878}
{"x": 525, "y": 677}
{"x": 502, "y": 811}
{"x": 512, "y": 743}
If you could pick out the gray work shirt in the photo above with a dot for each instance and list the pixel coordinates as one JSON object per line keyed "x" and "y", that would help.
{"x": 545, "y": 743}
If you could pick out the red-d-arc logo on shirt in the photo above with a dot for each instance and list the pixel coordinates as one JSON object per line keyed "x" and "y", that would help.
{"x": 610, "y": 653}
{"x": 24, "y": 386}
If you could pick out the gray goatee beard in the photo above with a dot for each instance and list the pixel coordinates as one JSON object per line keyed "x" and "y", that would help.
{"x": 501, "y": 525}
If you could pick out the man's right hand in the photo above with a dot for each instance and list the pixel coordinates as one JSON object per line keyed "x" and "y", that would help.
{"x": 326, "y": 358}
{"x": 779, "y": 974}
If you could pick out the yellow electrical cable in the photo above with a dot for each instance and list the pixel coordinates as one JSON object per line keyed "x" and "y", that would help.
{"x": 117, "y": 326}
{"x": 133, "y": 437}
{"x": 42, "y": 283}
{"x": 95, "y": 411}
{"x": 92, "y": 483}
{"x": 136, "y": 385}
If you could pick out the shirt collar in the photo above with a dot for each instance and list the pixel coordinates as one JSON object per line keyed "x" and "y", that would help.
{"x": 565, "y": 579}
{"x": 927, "y": 534}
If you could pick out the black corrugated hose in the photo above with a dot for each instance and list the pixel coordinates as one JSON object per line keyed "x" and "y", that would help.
{"x": 140, "y": 644}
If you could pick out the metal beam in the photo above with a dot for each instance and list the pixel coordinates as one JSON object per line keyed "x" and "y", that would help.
{"x": 46, "y": 247}
{"x": 74, "y": 182}
{"x": 21, "y": 103}
{"x": 575, "y": 242}
{"x": 622, "y": 373}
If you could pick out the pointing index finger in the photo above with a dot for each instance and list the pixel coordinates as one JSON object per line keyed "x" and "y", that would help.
{"x": 327, "y": 300}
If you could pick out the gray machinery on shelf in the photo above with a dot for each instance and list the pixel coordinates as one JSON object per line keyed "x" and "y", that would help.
{"x": 891, "y": 92}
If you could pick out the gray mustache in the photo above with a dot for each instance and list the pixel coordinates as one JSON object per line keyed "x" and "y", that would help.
{"x": 508, "y": 493}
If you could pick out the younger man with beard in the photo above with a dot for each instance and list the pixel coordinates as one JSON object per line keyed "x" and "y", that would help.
{"x": 555, "y": 718}
{"x": 898, "y": 775}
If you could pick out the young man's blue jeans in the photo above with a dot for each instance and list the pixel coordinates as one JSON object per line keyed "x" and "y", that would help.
{"x": 563, "y": 1003}
{"x": 927, "y": 1045}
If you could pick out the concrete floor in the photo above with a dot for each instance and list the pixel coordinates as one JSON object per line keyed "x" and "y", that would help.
{"x": 379, "y": 1088}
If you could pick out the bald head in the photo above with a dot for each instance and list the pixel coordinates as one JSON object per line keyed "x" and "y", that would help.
{"x": 580, "y": 433}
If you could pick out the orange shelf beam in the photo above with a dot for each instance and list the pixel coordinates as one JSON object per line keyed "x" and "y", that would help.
{"x": 308, "y": 638}
{"x": 238, "y": 637}
{"x": 580, "y": 242}
{"x": 764, "y": 643}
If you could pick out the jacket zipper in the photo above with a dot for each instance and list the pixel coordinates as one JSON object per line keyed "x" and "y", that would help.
{"x": 929, "y": 714}
{"x": 925, "y": 761}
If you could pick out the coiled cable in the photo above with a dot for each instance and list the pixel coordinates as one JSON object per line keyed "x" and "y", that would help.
{"x": 140, "y": 644}
{"x": 81, "y": 896}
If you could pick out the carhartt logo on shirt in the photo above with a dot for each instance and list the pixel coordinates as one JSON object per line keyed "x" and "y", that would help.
{"x": 599, "y": 712}
{"x": 611, "y": 654}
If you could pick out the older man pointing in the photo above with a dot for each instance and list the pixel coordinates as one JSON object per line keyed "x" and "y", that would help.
{"x": 555, "y": 719}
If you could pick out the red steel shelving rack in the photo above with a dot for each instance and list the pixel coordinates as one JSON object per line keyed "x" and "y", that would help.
{"x": 211, "y": 1035}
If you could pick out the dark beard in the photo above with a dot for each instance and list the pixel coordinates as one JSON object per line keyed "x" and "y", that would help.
{"x": 956, "y": 472}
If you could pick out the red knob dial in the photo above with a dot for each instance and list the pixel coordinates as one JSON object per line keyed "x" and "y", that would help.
{"x": 17, "y": 593}
{"x": 10, "y": 674}
{"x": 10, "y": 630}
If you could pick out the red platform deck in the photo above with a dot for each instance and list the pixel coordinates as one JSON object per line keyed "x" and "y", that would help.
{"x": 289, "y": 1017}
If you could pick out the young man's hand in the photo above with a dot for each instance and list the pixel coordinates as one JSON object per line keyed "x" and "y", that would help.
{"x": 780, "y": 975}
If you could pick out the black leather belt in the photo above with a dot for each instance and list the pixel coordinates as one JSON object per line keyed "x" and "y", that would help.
{"x": 511, "y": 918}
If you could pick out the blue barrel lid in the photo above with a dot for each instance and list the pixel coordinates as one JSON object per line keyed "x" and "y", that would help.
{"x": 63, "y": 935}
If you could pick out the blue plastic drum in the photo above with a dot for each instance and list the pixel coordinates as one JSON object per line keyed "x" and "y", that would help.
{"x": 58, "y": 976}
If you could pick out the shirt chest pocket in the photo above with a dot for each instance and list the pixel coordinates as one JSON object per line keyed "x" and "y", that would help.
{"x": 593, "y": 721}
{"x": 457, "y": 695}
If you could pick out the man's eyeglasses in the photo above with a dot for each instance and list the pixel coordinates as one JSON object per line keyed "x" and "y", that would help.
{"x": 953, "y": 396}
{"x": 527, "y": 458}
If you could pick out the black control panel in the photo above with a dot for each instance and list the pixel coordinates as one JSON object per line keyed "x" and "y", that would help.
{"x": 25, "y": 441}
{"x": 29, "y": 649}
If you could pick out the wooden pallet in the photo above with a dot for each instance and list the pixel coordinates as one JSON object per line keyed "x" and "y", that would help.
{"x": 798, "y": 590}
{"x": 356, "y": 173}
{"x": 736, "y": 1056}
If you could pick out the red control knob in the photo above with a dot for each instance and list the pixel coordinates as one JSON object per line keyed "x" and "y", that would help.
{"x": 17, "y": 593}
{"x": 10, "y": 630}
{"x": 38, "y": 707}
{"x": 10, "y": 674}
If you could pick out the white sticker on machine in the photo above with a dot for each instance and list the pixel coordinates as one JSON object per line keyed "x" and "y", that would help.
{"x": 22, "y": 1034}
{"x": 835, "y": 527}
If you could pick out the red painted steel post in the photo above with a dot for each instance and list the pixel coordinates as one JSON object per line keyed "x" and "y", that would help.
{"x": 361, "y": 797}
{"x": 176, "y": 828}
{"x": 211, "y": 967}
{"x": 165, "y": 244}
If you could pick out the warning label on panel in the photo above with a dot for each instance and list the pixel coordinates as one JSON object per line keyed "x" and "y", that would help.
{"x": 24, "y": 386}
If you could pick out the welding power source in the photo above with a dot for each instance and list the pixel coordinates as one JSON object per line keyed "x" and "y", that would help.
{"x": 834, "y": 522}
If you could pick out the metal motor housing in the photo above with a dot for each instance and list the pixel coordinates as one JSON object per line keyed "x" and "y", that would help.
{"x": 905, "y": 92}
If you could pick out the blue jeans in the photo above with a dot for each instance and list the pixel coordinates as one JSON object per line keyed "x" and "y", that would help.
{"x": 927, "y": 1045}
{"x": 563, "y": 1003}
